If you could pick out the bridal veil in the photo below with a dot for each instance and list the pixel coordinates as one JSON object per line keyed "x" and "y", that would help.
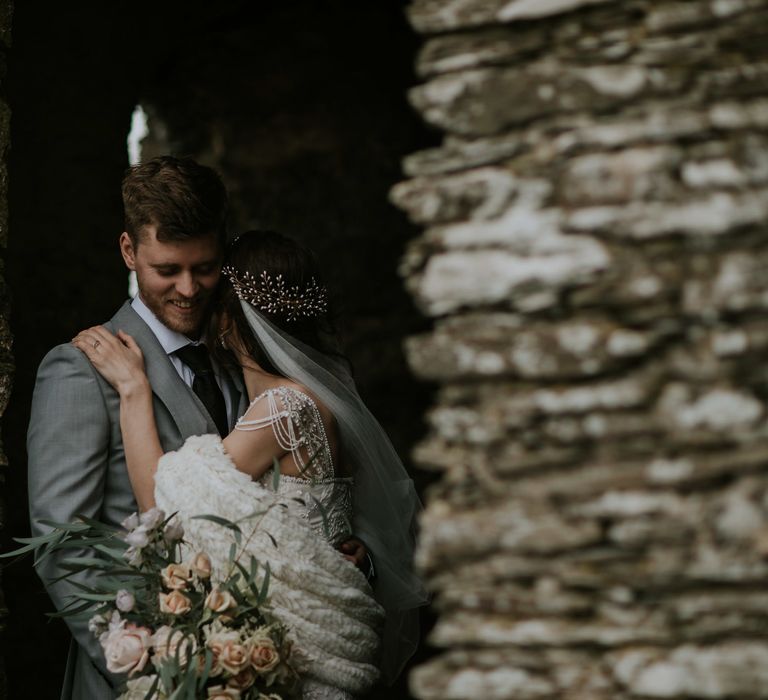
{"x": 384, "y": 498}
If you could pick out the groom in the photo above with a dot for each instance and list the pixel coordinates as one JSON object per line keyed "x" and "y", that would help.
{"x": 175, "y": 212}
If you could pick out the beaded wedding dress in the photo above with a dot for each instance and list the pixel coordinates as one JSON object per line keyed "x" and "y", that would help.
{"x": 323, "y": 600}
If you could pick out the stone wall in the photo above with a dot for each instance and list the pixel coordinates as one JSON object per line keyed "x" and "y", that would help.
{"x": 594, "y": 259}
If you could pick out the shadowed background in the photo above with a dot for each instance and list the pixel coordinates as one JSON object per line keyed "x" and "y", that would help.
{"x": 299, "y": 105}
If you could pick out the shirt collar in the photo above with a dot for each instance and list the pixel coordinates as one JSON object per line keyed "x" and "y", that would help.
{"x": 171, "y": 341}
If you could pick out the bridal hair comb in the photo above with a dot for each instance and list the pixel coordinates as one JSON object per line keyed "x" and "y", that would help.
{"x": 273, "y": 295}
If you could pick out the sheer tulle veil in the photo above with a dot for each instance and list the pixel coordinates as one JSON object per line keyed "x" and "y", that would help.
{"x": 384, "y": 497}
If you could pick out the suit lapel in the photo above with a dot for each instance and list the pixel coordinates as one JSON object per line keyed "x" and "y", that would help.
{"x": 186, "y": 409}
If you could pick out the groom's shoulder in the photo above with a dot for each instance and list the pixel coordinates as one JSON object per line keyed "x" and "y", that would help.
{"x": 64, "y": 355}
{"x": 63, "y": 359}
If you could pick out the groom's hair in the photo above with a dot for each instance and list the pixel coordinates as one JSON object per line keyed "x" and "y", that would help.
{"x": 178, "y": 196}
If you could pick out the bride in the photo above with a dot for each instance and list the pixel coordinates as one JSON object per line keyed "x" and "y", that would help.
{"x": 338, "y": 472}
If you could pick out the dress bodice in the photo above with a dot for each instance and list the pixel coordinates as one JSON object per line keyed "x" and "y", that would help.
{"x": 298, "y": 427}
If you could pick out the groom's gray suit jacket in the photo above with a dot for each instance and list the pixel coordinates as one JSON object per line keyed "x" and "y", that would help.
{"x": 77, "y": 464}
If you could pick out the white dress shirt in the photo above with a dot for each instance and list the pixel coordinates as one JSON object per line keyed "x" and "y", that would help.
{"x": 171, "y": 341}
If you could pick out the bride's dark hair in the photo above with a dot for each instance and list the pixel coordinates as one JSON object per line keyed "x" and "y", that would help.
{"x": 280, "y": 257}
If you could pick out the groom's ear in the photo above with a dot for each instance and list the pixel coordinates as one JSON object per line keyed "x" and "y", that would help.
{"x": 127, "y": 250}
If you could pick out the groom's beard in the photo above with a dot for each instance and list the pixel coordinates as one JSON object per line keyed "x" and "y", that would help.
{"x": 180, "y": 314}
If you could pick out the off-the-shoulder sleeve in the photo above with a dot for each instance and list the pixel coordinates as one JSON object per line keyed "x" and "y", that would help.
{"x": 277, "y": 409}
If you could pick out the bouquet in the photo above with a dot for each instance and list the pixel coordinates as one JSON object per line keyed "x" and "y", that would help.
{"x": 176, "y": 630}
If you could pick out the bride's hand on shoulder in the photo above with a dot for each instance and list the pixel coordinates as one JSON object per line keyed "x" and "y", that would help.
{"x": 116, "y": 357}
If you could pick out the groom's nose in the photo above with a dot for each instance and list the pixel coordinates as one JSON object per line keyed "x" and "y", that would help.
{"x": 187, "y": 285}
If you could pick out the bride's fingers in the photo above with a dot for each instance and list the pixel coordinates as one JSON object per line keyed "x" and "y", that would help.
{"x": 130, "y": 343}
{"x": 97, "y": 343}
{"x": 86, "y": 345}
{"x": 95, "y": 335}
{"x": 126, "y": 339}
{"x": 104, "y": 336}
{"x": 85, "y": 338}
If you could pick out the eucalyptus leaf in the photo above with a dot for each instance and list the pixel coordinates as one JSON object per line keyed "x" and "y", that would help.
{"x": 95, "y": 596}
{"x": 71, "y": 526}
{"x": 166, "y": 674}
{"x": 248, "y": 578}
{"x": 264, "y": 584}
{"x": 218, "y": 520}
{"x": 153, "y": 688}
{"x": 18, "y": 552}
{"x": 275, "y": 474}
{"x": 70, "y": 610}
{"x": 201, "y": 681}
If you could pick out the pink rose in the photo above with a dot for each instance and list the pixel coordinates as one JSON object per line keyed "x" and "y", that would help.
{"x": 242, "y": 680}
{"x": 175, "y": 603}
{"x": 234, "y": 657}
{"x": 201, "y": 565}
{"x": 126, "y": 648}
{"x": 176, "y": 577}
{"x": 172, "y": 643}
{"x": 264, "y": 656}
{"x": 216, "y": 643}
{"x": 219, "y": 601}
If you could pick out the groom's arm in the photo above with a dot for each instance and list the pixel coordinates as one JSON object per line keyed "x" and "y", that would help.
{"x": 68, "y": 448}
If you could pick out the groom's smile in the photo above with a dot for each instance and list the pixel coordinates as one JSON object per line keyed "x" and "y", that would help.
{"x": 176, "y": 278}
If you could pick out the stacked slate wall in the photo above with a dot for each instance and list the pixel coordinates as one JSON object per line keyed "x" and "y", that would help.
{"x": 595, "y": 258}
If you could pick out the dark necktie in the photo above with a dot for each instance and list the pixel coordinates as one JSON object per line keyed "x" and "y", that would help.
{"x": 204, "y": 385}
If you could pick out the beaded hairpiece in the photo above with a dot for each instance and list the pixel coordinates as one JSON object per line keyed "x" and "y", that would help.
{"x": 273, "y": 295}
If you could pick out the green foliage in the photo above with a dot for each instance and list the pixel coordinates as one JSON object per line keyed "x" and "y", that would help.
{"x": 116, "y": 569}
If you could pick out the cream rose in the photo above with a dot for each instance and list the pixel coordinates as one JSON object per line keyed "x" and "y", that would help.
{"x": 175, "y": 603}
{"x": 126, "y": 648}
{"x": 201, "y": 565}
{"x": 125, "y": 600}
{"x": 264, "y": 656}
{"x": 219, "y": 601}
{"x": 242, "y": 680}
{"x": 138, "y": 688}
{"x": 216, "y": 643}
{"x": 174, "y": 531}
{"x": 234, "y": 657}
{"x": 171, "y": 643}
{"x": 137, "y": 538}
{"x": 219, "y": 692}
{"x": 176, "y": 577}
{"x": 151, "y": 518}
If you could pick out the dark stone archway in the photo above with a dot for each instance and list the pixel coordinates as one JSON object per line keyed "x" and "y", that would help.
{"x": 300, "y": 105}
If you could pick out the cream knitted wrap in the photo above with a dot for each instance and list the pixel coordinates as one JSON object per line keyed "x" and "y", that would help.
{"x": 323, "y": 600}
